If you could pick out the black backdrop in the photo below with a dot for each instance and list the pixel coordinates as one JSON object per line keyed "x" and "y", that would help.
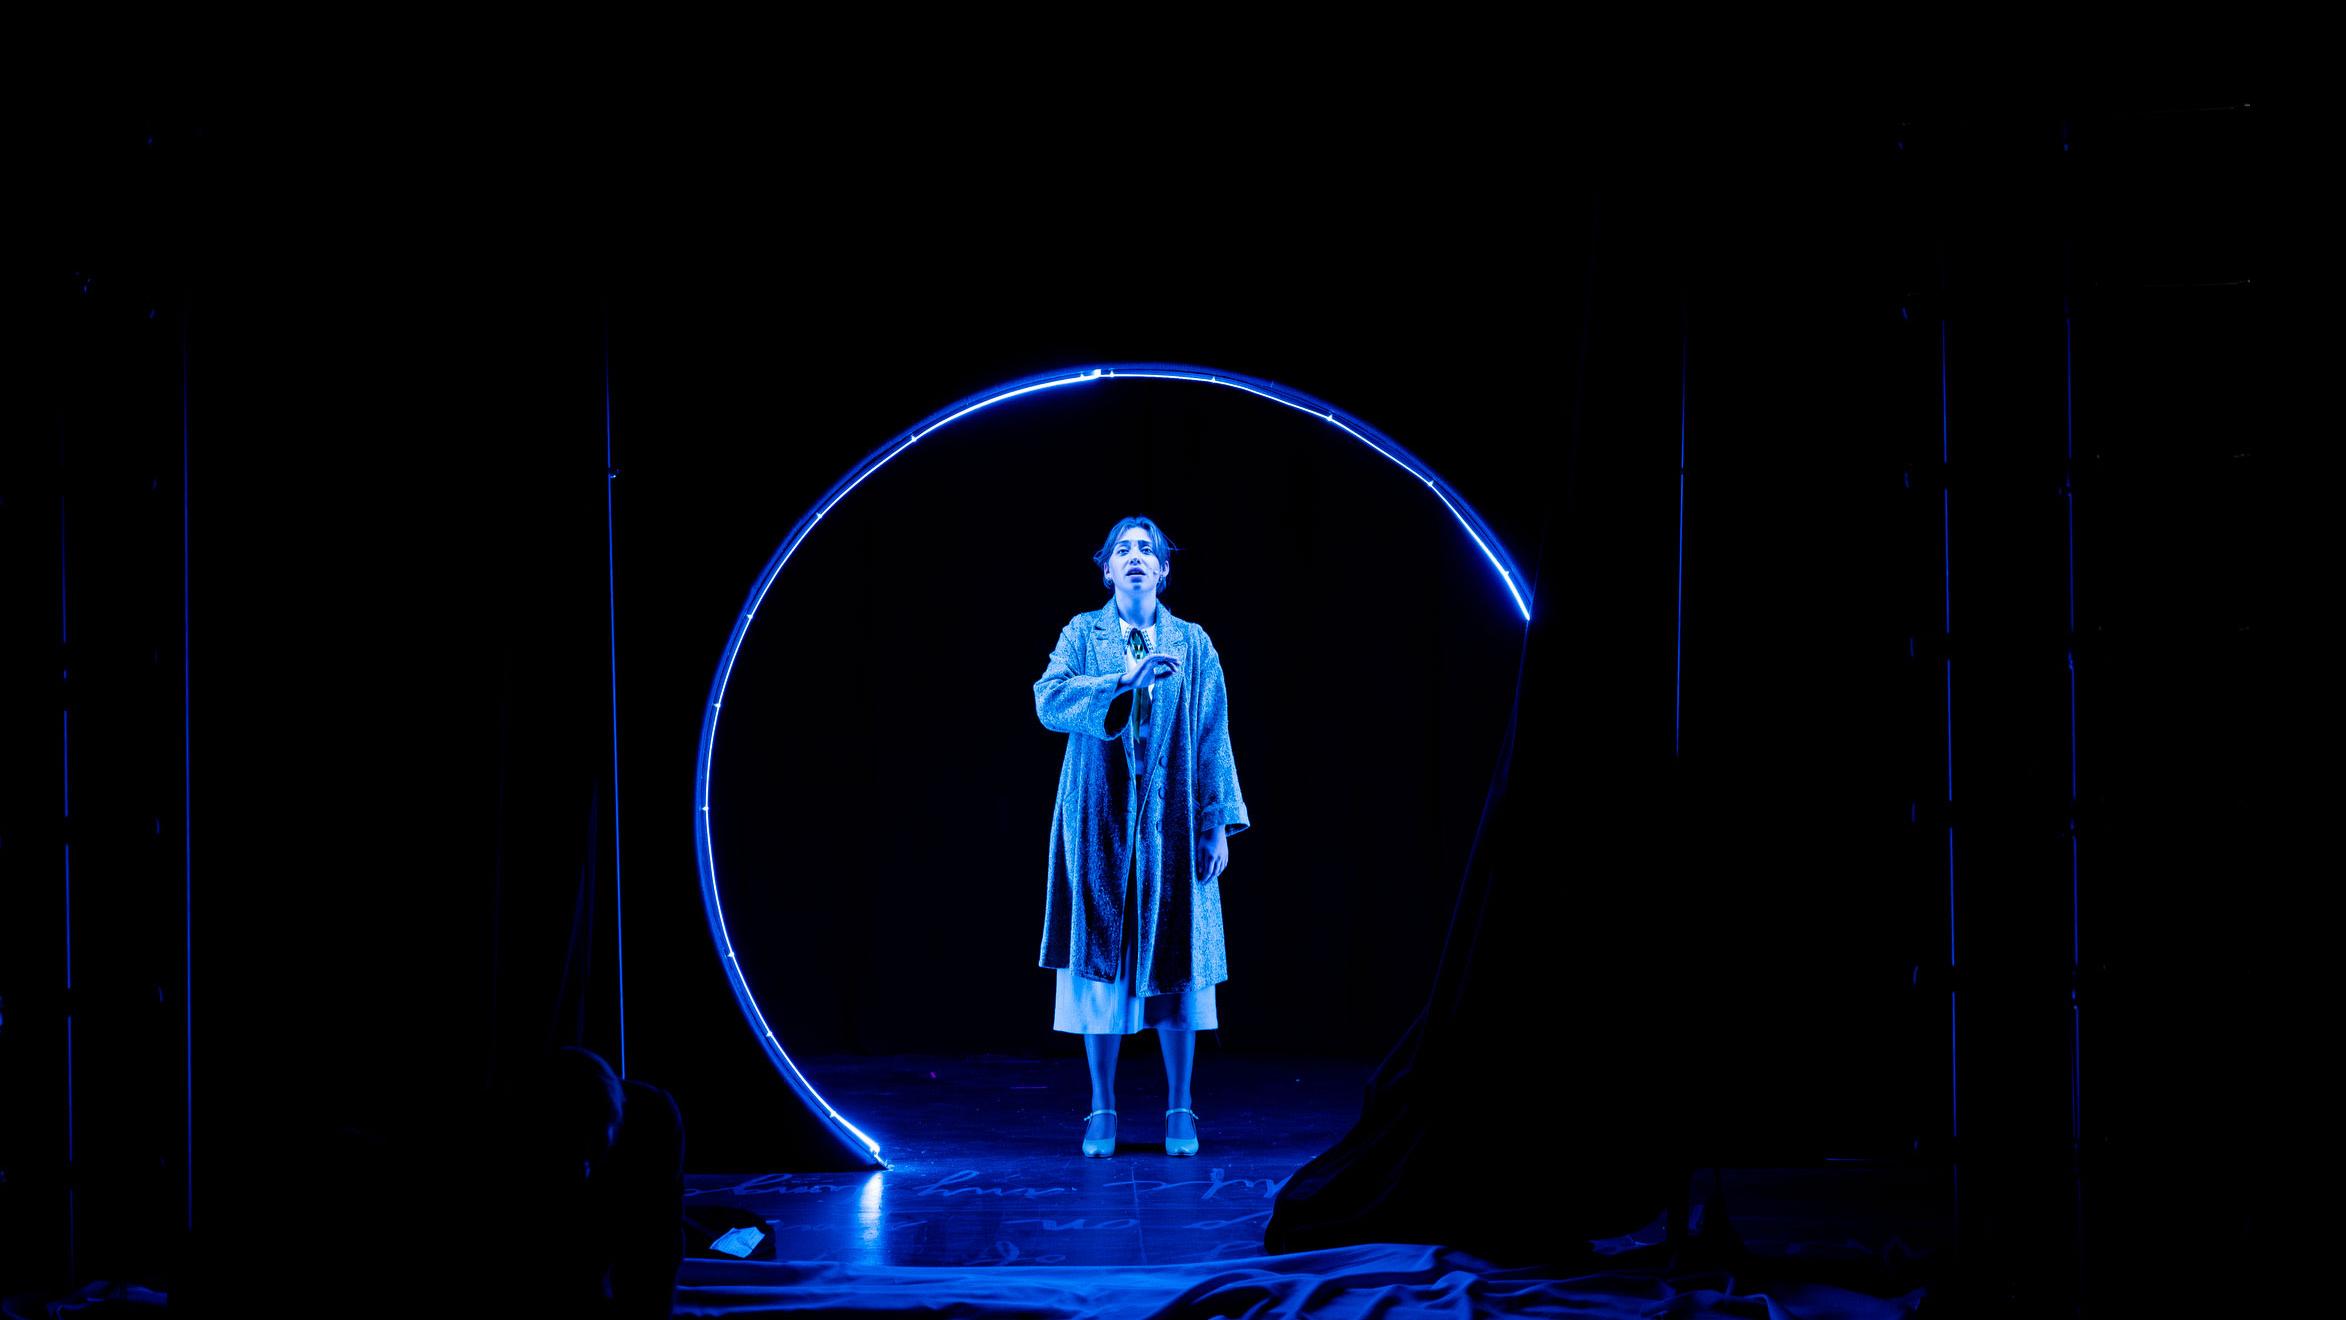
{"x": 881, "y": 776}
{"x": 404, "y": 348}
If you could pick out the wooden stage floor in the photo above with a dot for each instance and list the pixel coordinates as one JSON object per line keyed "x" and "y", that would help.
{"x": 986, "y": 1170}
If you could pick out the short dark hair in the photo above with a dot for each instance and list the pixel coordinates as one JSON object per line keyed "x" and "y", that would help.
{"x": 1163, "y": 543}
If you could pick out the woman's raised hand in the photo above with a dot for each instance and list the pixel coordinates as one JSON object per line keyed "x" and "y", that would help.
{"x": 1161, "y": 665}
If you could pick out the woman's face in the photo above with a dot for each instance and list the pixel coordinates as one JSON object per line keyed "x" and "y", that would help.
{"x": 1133, "y": 563}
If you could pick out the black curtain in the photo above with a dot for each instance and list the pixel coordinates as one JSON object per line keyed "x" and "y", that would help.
{"x": 1906, "y": 786}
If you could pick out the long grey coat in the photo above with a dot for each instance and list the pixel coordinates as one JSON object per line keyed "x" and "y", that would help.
{"x": 1101, "y": 824}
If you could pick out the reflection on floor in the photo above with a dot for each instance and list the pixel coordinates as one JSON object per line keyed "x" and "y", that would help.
{"x": 987, "y": 1171}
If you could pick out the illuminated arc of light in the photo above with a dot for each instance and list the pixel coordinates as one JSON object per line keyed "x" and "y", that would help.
{"x": 704, "y": 838}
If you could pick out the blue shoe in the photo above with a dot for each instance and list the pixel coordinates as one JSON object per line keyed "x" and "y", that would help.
{"x": 1180, "y": 1145}
{"x": 1101, "y": 1147}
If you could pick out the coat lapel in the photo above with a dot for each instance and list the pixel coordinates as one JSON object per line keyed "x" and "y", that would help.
{"x": 1107, "y": 641}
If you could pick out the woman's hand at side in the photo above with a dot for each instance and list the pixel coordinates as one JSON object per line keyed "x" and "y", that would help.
{"x": 1217, "y": 850}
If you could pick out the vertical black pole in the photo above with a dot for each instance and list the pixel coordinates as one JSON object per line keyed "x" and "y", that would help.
{"x": 1954, "y": 907}
{"x": 1678, "y": 672}
{"x": 611, "y": 596}
{"x": 65, "y": 824}
{"x": 2076, "y": 934}
{"x": 186, "y": 812}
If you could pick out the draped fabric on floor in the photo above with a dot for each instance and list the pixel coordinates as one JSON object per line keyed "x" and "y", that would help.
{"x": 1368, "y": 1280}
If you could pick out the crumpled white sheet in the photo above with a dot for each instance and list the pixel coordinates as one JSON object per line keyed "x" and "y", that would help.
{"x": 1390, "y": 1281}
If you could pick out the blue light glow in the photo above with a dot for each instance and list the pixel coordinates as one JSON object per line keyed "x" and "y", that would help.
{"x": 1477, "y": 531}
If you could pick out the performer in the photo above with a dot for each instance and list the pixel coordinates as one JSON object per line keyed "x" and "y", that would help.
{"x": 1148, "y": 799}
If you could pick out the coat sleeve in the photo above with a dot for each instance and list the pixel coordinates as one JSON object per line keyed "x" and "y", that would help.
{"x": 1071, "y": 701}
{"x": 1219, "y": 802}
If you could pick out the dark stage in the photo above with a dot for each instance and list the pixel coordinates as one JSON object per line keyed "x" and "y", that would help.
{"x": 988, "y": 1175}
{"x": 1754, "y": 707}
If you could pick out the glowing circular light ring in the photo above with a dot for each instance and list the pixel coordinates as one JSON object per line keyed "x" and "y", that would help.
{"x": 852, "y": 1138}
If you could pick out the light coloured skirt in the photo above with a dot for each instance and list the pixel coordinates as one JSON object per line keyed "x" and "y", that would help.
{"x": 1116, "y": 1008}
{"x": 1110, "y": 1008}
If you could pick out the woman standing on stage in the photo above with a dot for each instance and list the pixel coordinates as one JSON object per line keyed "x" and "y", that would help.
{"x": 1148, "y": 798}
